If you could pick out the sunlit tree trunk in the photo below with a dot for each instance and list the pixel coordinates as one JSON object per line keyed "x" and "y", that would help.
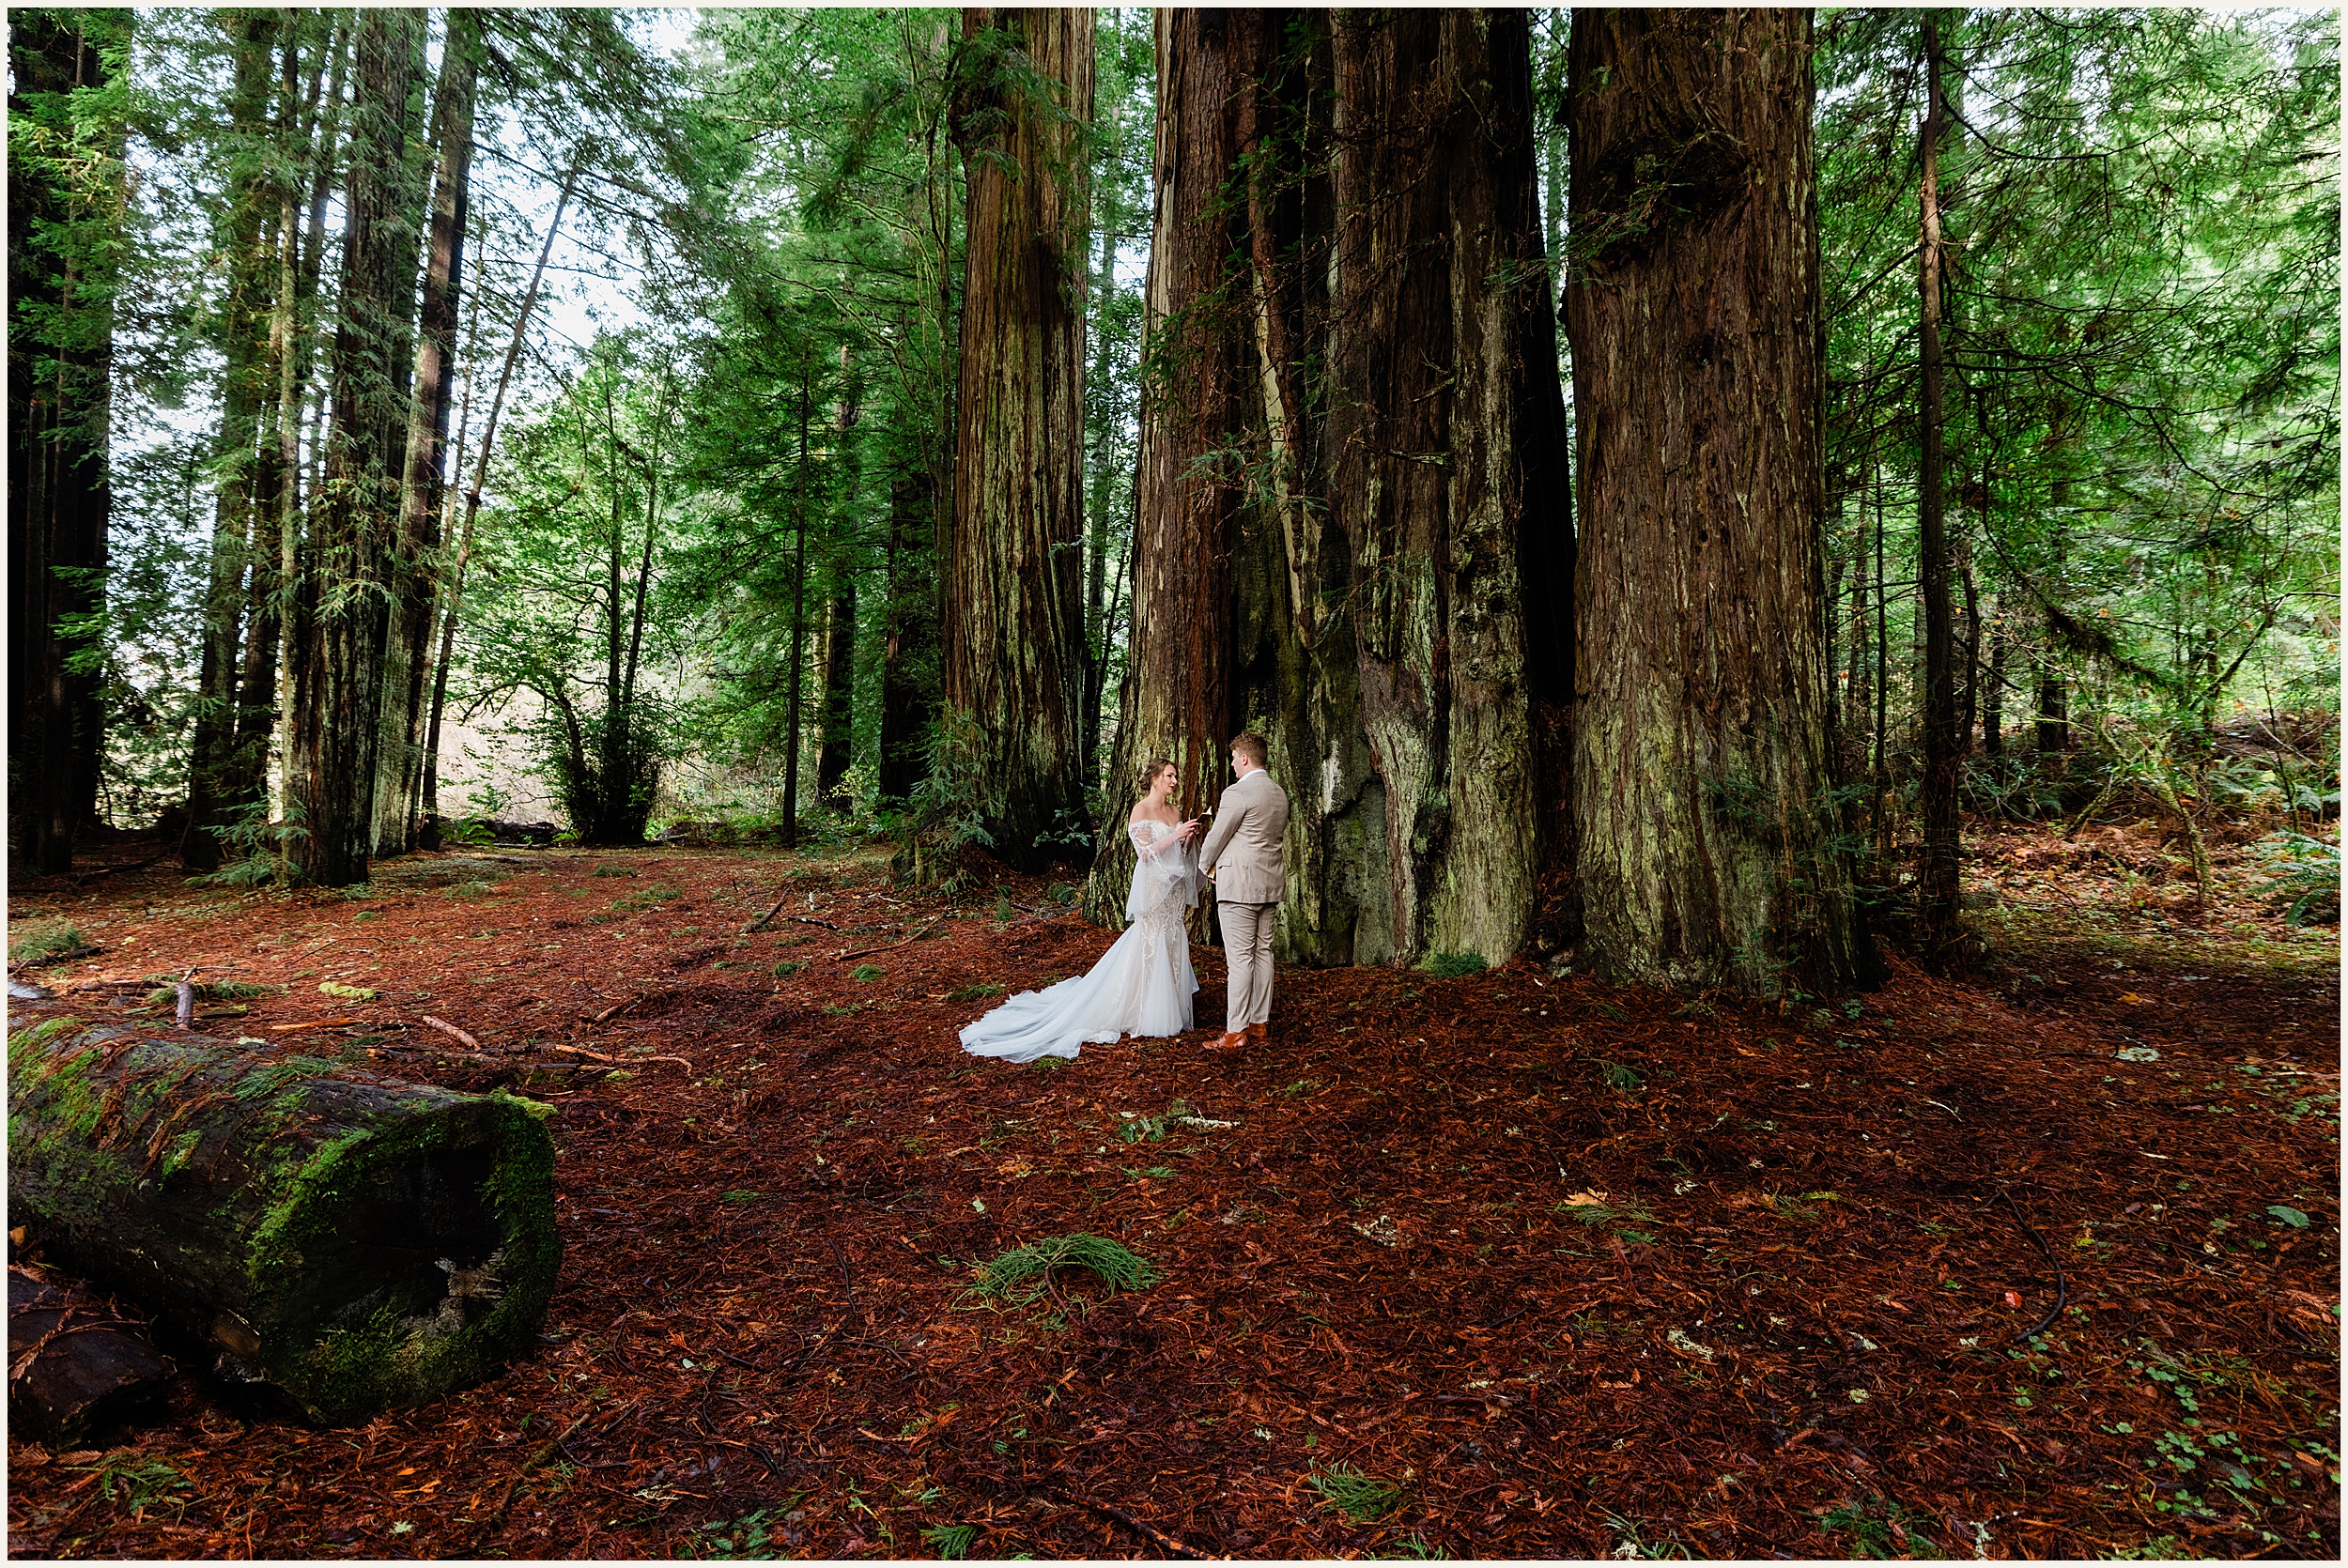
{"x": 1702, "y": 781}
{"x": 1014, "y": 624}
{"x": 342, "y": 614}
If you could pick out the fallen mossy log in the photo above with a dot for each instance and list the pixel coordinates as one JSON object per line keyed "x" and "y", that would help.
{"x": 72, "y": 1370}
{"x": 358, "y": 1243}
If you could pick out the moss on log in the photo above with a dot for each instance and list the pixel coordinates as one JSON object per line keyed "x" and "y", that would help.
{"x": 358, "y": 1243}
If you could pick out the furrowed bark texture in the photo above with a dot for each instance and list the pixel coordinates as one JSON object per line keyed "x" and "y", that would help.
{"x": 60, "y": 338}
{"x": 343, "y": 614}
{"x": 1444, "y": 430}
{"x": 414, "y": 561}
{"x": 1702, "y": 781}
{"x": 1014, "y": 623}
{"x": 1936, "y": 893}
{"x": 1176, "y": 698}
{"x": 356, "y": 1242}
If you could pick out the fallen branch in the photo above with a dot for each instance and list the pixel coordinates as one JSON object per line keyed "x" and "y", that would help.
{"x": 319, "y": 1023}
{"x": 759, "y": 924}
{"x": 614, "y": 1009}
{"x": 887, "y": 946}
{"x": 2062, "y": 1290}
{"x": 451, "y": 1030}
{"x": 1146, "y": 1531}
{"x": 544, "y": 1452}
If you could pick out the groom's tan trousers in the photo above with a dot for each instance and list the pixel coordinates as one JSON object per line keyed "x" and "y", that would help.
{"x": 1247, "y": 954}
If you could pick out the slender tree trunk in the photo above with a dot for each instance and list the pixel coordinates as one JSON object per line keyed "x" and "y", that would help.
{"x": 1015, "y": 625}
{"x": 2053, "y": 732}
{"x": 1993, "y": 688}
{"x": 1445, "y": 426}
{"x": 1938, "y": 911}
{"x": 452, "y": 585}
{"x": 1862, "y": 705}
{"x": 1969, "y": 694}
{"x": 1701, "y": 775}
{"x": 399, "y": 764}
{"x": 248, "y": 243}
{"x": 908, "y": 658}
{"x": 59, "y": 500}
{"x": 835, "y": 750}
{"x": 341, "y": 606}
{"x": 801, "y": 499}
{"x": 294, "y": 551}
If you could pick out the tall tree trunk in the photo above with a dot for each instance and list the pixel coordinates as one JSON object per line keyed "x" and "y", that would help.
{"x": 415, "y": 554}
{"x": 835, "y": 752}
{"x": 344, "y": 617}
{"x": 1861, "y": 708}
{"x": 1444, "y": 429}
{"x": 800, "y": 502}
{"x": 452, "y": 585}
{"x": 2053, "y": 723}
{"x": 1014, "y": 620}
{"x": 65, "y": 180}
{"x": 1175, "y": 700}
{"x": 1969, "y": 694}
{"x": 248, "y": 242}
{"x": 908, "y": 658}
{"x": 295, "y": 395}
{"x": 1702, "y": 782}
{"x": 1937, "y": 895}
{"x": 1098, "y": 506}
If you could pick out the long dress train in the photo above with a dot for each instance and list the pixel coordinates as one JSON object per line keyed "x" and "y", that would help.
{"x": 1142, "y": 985}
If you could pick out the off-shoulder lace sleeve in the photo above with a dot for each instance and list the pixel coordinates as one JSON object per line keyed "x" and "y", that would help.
{"x": 1150, "y": 839}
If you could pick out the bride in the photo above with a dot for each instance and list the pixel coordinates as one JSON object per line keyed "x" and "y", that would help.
{"x": 1143, "y": 984}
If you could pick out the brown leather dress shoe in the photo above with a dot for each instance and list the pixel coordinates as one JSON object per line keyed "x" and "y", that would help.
{"x": 1227, "y": 1041}
{"x": 1259, "y": 1033}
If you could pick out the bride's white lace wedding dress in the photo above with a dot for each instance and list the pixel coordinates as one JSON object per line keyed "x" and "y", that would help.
{"x": 1141, "y": 986}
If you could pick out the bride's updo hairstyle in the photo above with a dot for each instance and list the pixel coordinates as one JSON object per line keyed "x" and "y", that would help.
{"x": 1149, "y": 771}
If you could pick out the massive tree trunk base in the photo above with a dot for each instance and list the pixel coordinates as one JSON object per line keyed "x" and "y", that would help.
{"x": 355, "y": 1242}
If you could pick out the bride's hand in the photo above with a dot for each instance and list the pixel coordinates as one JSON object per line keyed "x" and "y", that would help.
{"x": 1188, "y": 830}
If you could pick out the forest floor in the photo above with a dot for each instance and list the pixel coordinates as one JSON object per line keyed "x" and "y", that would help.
{"x": 1516, "y": 1265}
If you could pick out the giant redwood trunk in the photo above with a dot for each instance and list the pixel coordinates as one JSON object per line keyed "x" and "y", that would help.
{"x": 1013, "y": 631}
{"x": 1444, "y": 439}
{"x": 1702, "y": 781}
{"x": 414, "y": 557}
{"x": 341, "y": 608}
{"x": 64, "y": 188}
{"x": 356, "y": 1242}
{"x": 1198, "y": 401}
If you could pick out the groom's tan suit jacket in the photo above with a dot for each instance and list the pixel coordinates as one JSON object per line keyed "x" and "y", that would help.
{"x": 1242, "y": 849}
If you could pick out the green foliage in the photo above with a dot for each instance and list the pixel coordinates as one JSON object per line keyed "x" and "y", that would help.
{"x": 1023, "y": 1274}
{"x": 43, "y": 940}
{"x": 951, "y": 1542}
{"x": 1451, "y": 966}
{"x": 1359, "y": 1495}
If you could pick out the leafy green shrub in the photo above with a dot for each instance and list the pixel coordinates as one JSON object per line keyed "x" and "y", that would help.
{"x": 2304, "y": 869}
{"x": 43, "y": 940}
{"x": 1452, "y": 966}
{"x": 866, "y": 972}
{"x": 786, "y": 968}
{"x": 972, "y": 993}
{"x": 1020, "y": 1275}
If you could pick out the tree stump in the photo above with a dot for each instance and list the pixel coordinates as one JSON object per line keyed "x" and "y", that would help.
{"x": 356, "y": 1242}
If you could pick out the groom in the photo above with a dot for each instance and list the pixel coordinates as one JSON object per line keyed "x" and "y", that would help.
{"x": 1244, "y": 847}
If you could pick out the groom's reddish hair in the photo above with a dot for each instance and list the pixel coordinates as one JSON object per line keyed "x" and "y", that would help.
{"x": 1251, "y": 745}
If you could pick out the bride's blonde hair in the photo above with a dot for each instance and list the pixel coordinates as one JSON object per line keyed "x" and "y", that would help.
{"x": 1149, "y": 771}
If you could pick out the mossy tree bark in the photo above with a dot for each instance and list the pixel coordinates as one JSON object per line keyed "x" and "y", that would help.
{"x": 1444, "y": 438}
{"x": 356, "y": 1242}
{"x": 1707, "y": 851}
{"x": 1014, "y": 624}
{"x": 342, "y": 603}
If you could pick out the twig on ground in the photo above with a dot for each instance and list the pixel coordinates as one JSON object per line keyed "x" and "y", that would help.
{"x": 618, "y": 1061}
{"x": 2062, "y": 1290}
{"x": 451, "y": 1030}
{"x": 539, "y": 1457}
{"x": 1146, "y": 1531}
{"x": 845, "y": 954}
